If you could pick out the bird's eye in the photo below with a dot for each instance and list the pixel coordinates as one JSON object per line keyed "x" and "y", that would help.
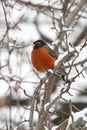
{"x": 39, "y": 43}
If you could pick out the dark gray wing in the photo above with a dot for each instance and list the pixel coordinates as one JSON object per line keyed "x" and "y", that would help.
{"x": 50, "y": 51}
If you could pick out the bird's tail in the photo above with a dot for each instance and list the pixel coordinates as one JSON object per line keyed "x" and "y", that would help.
{"x": 61, "y": 74}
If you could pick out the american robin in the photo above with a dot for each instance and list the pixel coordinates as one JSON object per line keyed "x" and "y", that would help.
{"x": 42, "y": 56}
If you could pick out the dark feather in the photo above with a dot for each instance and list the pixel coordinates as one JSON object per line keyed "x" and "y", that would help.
{"x": 50, "y": 51}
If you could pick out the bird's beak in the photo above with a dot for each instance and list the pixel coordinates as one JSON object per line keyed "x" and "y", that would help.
{"x": 32, "y": 43}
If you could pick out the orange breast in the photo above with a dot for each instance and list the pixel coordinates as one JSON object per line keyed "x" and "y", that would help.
{"x": 42, "y": 60}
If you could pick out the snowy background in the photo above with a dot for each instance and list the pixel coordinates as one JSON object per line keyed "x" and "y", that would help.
{"x": 25, "y": 22}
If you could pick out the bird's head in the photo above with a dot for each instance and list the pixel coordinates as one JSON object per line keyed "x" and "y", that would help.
{"x": 37, "y": 44}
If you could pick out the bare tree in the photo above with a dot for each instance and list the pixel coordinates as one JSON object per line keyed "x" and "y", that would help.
{"x": 64, "y": 17}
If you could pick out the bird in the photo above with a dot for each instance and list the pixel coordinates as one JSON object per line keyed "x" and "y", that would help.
{"x": 42, "y": 56}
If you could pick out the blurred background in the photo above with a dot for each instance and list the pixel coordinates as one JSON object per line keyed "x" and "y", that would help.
{"x": 60, "y": 23}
